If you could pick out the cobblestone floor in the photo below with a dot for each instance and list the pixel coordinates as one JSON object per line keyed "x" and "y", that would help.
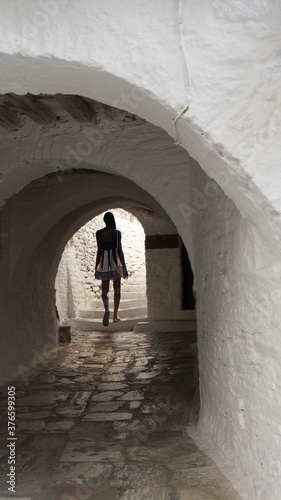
{"x": 105, "y": 419}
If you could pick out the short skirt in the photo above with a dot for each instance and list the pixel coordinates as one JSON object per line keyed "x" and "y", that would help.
{"x": 108, "y": 265}
{"x": 107, "y": 275}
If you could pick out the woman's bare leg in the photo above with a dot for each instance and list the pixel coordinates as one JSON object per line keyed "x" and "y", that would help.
{"x": 104, "y": 293}
{"x": 117, "y": 296}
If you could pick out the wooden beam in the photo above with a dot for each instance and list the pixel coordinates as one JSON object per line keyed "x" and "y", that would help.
{"x": 8, "y": 119}
{"x": 77, "y": 107}
{"x": 32, "y": 107}
{"x": 162, "y": 241}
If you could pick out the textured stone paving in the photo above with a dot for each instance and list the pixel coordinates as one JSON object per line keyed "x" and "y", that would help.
{"x": 105, "y": 419}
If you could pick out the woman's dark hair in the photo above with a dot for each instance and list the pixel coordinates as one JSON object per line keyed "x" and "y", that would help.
{"x": 109, "y": 220}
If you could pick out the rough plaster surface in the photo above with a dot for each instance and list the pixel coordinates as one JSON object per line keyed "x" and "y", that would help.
{"x": 71, "y": 293}
{"x": 133, "y": 59}
{"x": 163, "y": 283}
{"x": 238, "y": 311}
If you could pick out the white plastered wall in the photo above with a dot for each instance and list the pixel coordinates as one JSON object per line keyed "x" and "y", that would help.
{"x": 133, "y": 58}
{"x": 164, "y": 284}
{"x": 238, "y": 302}
{"x": 71, "y": 294}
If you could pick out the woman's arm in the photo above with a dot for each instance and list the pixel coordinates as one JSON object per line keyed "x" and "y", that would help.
{"x": 99, "y": 250}
{"x": 121, "y": 254}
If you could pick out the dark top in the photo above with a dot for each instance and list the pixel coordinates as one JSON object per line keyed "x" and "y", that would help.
{"x": 109, "y": 245}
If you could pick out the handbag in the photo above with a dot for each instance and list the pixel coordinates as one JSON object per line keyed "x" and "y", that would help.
{"x": 120, "y": 271}
{"x": 120, "y": 268}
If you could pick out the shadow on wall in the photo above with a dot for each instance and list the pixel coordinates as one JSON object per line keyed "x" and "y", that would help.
{"x": 77, "y": 291}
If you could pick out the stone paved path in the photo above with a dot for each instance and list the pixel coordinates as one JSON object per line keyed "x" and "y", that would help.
{"x": 105, "y": 419}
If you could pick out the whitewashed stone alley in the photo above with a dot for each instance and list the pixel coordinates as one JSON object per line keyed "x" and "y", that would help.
{"x": 105, "y": 419}
{"x": 170, "y": 110}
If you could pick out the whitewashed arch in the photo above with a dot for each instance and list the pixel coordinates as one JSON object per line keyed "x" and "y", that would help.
{"x": 155, "y": 67}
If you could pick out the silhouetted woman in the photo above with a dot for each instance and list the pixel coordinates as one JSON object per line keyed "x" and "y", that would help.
{"x": 110, "y": 264}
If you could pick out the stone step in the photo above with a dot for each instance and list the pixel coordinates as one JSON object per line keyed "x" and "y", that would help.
{"x": 130, "y": 287}
{"x": 92, "y": 325}
{"x": 129, "y": 313}
{"x": 166, "y": 326}
{"x": 137, "y": 281}
{"x": 124, "y": 303}
{"x": 124, "y": 296}
{"x": 130, "y": 292}
{"x": 138, "y": 325}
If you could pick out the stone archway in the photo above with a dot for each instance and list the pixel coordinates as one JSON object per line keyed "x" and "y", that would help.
{"x": 164, "y": 281}
{"x": 32, "y": 262}
{"x": 211, "y": 227}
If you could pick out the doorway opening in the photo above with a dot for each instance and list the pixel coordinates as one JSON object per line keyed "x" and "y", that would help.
{"x": 78, "y": 293}
{"x": 188, "y": 299}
